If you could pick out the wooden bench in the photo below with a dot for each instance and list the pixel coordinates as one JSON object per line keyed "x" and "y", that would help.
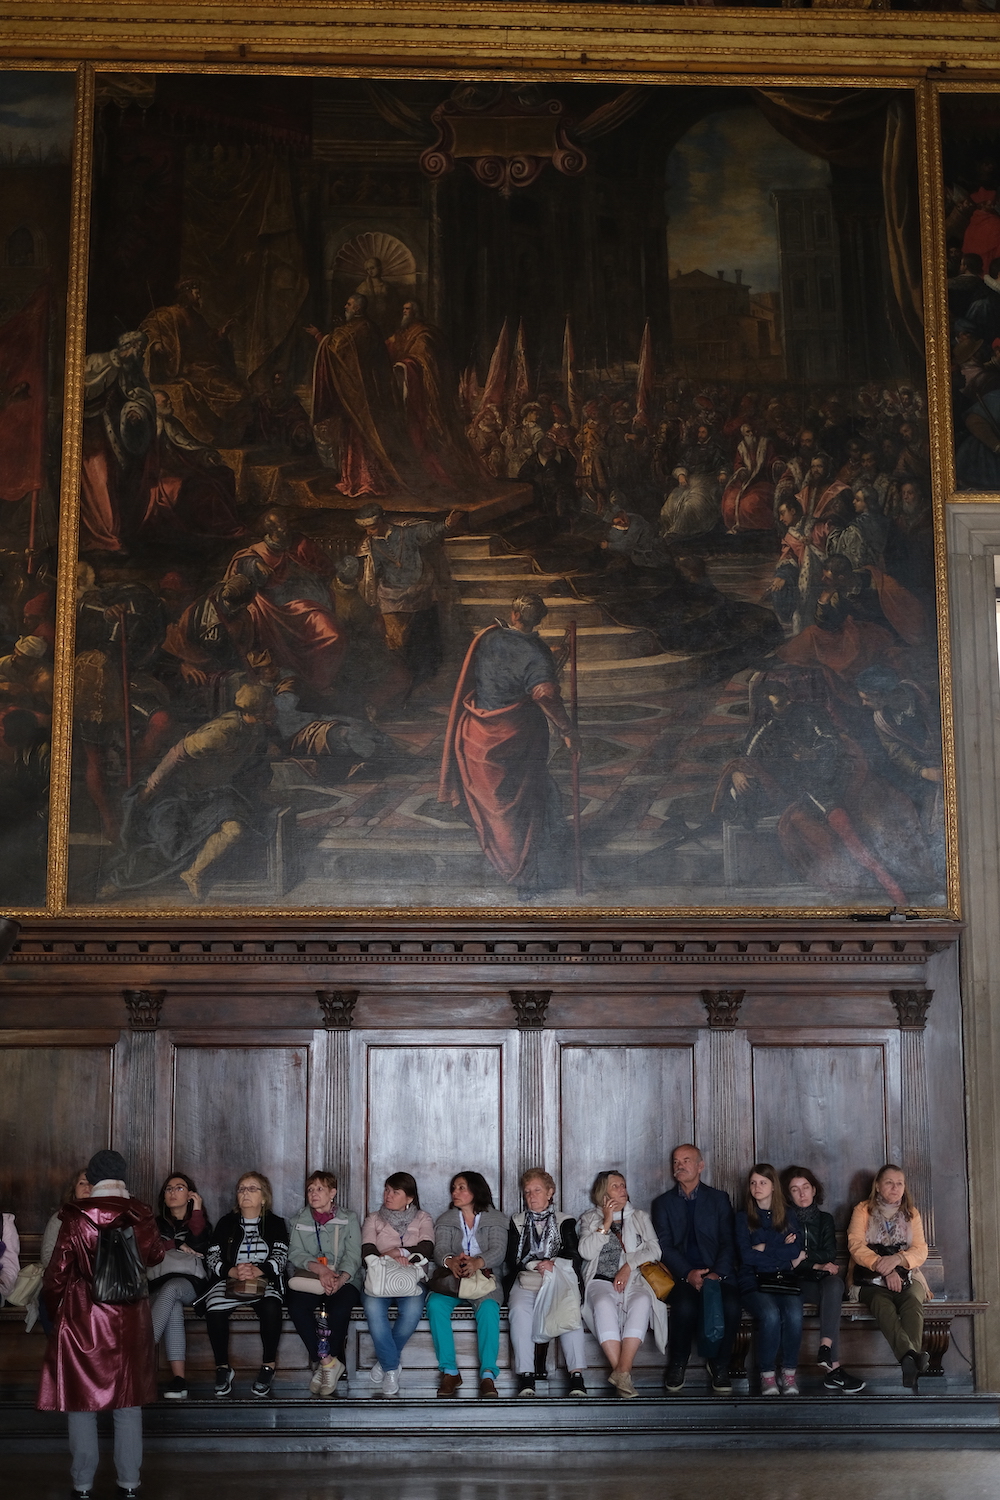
{"x": 21, "y": 1356}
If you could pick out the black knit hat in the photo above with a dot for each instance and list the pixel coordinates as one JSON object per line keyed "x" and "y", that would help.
{"x": 106, "y": 1166}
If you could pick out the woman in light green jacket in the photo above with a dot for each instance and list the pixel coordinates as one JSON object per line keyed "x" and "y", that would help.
{"x": 324, "y": 1278}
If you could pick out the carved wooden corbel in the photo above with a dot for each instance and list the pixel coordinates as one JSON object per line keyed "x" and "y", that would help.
{"x": 144, "y": 1008}
{"x": 912, "y": 1007}
{"x": 723, "y": 1007}
{"x": 338, "y": 1008}
{"x": 530, "y": 1007}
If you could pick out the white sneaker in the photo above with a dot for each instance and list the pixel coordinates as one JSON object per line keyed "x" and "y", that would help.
{"x": 390, "y": 1383}
{"x": 376, "y": 1374}
{"x": 329, "y": 1375}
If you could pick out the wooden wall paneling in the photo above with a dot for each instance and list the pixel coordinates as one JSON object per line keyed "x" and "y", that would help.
{"x": 623, "y": 1105}
{"x": 432, "y": 1108}
{"x": 239, "y": 1109}
{"x": 55, "y": 1112}
{"x": 826, "y": 1105}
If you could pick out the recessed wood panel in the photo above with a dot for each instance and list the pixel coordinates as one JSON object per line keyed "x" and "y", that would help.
{"x": 823, "y": 1108}
{"x": 433, "y": 1111}
{"x": 623, "y": 1107}
{"x": 240, "y": 1109}
{"x": 55, "y": 1112}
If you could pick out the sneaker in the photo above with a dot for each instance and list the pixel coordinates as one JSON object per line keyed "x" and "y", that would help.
{"x": 262, "y": 1385}
{"x": 719, "y": 1379}
{"x": 673, "y": 1379}
{"x": 840, "y": 1379}
{"x": 376, "y": 1374}
{"x": 177, "y": 1389}
{"x": 768, "y": 1385}
{"x": 223, "y": 1379}
{"x": 317, "y": 1379}
{"x": 622, "y": 1381}
{"x": 577, "y": 1385}
{"x": 526, "y": 1385}
{"x": 788, "y": 1383}
{"x": 825, "y": 1357}
{"x": 390, "y": 1383}
{"x": 329, "y": 1376}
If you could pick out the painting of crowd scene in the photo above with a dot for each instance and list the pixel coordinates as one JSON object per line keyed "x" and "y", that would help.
{"x": 36, "y": 125}
{"x": 971, "y": 158}
{"x": 500, "y": 496}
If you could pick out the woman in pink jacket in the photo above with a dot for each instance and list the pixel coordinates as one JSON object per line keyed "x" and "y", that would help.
{"x": 402, "y": 1230}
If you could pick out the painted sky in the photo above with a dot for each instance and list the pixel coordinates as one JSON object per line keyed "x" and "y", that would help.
{"x": 720, "y": 176}
{"x": 36, "y": 110}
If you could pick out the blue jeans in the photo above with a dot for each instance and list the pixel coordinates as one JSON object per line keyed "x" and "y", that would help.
{"x": 390, "y": 1338}
{"x": 779, "y": 1325}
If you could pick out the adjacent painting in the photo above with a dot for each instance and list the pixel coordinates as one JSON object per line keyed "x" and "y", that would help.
{"x": 36, "y": 137}
{"x": 500, "y": 496}
{"x": 970, "y": 131}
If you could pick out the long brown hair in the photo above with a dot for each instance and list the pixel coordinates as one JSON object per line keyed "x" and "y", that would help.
{"x": 906, "y": 1204}
{"x": 764, "y": 1169}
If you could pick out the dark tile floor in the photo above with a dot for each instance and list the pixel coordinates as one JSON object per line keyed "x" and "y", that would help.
{"x": 762, "y": 1475}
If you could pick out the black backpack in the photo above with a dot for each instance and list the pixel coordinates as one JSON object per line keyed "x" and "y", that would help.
{"x": 119, "y": 1274}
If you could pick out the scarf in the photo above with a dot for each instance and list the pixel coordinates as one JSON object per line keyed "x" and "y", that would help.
{"x": 399, "y": 1219}
{"x": 540, "y": 1237}
{"x": 888, "y": 1225}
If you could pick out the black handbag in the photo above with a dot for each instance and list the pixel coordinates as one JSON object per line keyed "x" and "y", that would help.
{"x": 864, "y": 1275}
{"x": 778, "y": 1283}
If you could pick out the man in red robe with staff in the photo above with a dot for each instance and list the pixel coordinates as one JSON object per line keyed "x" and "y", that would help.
{"x": 496, "y": 751}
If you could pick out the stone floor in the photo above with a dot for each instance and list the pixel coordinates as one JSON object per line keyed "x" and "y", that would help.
{"x": 762, "y": 1475}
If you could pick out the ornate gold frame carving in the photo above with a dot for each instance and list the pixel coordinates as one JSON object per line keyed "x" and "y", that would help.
{"x": 635, "y": 44}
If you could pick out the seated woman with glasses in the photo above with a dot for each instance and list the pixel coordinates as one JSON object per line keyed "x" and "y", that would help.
{"x": 246, "y": 1257}
{"x": 179, "y": 1279}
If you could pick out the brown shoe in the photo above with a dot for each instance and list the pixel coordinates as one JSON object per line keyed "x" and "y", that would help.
{"x": 449, "y": 1385}
{"x": 487, "y": 1388}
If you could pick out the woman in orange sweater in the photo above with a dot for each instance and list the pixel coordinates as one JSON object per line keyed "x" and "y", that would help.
{"x": 887, "y": 1245}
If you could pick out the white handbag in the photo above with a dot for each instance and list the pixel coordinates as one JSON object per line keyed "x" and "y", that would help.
{"x": 387, "y": 1277}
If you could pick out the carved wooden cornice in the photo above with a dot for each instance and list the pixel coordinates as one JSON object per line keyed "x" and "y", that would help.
{"x": 734, "y": 943}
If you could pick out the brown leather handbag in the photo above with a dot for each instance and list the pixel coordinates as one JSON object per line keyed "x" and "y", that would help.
{"x": 659, "y": 1279}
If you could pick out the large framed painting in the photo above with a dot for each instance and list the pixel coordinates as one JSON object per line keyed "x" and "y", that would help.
{"x": 501, "y": 495}
{"x": 36, "y": 145}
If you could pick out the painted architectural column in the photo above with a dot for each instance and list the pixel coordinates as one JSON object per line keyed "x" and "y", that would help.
{"x": 143, "y": 1007}
{"x": 338, "y": 1018}
{"x": 911, "y": 1008}
{"x": 529, "y": 1009}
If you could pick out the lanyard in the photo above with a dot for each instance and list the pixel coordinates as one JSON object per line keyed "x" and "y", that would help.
{"x": 469, "y": 1233}
{"x": 320, "y": 1257}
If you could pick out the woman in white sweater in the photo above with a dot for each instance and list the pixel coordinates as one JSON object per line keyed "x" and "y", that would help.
{"x": 618, "y": 1305}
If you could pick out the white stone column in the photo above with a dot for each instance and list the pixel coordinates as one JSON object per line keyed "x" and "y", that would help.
{"x": 338, "y": 1017}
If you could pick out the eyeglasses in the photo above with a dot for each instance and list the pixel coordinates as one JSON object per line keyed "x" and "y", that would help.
{"x": 249, "y": 1190}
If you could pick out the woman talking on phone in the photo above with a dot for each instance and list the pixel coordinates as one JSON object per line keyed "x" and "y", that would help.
{"x": 180, "y": 1276}
{"x": 618, "y": 1305}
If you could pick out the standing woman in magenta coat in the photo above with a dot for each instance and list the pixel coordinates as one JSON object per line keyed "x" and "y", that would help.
{"x": 101, "y": 1355}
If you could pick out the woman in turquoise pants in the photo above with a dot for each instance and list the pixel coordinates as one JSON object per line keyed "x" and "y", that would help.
{"x": 468, "y": 1237}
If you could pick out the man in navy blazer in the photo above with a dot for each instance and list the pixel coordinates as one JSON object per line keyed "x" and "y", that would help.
{"x": 694, "y": 1224}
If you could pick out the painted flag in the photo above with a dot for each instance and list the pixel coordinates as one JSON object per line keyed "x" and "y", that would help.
{"x": 23, "y": 398}
{"x": 644, "y": 379}
{"x": 569, "y": 376}
{"x": 520, "y": 392}
{"x": 495, "y": 388}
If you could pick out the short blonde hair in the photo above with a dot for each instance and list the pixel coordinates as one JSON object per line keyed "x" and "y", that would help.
{"x": 266, "y": 1191}
{"x": 598, "y": 1191}
{"x": 538, "y": 1174}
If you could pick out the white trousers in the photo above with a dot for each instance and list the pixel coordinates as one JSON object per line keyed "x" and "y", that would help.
{"x": 520, "y": 1306}
{"x": 619, "y": 1315}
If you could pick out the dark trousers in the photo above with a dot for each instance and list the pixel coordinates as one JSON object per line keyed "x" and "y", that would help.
{"x": 685, "y": 1316}
{"x": 268, "y": 1310}
{"x": 302, "y": 1311}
